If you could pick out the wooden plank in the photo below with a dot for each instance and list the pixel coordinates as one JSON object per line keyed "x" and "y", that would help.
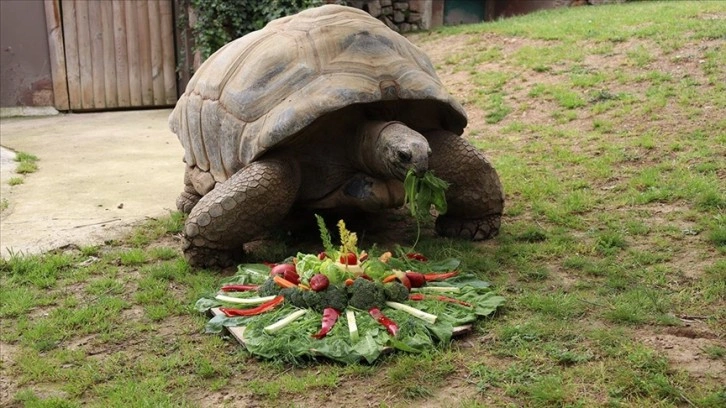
{"x": 121, "y": 54}
{"x": 132, "y": 42}
{"x": 142, "y": 21}
{"x": 70, "y": 43}
{"x": 57, "y": 55}
{"x": 109, "y": 57}
{"x": 167, "y": 42}
{"x": 84, "y": 54}
{"x": 157, "y": 70}
{"x": 237, "y": 332}
{"x": 96, "y": 32}
{"x": 181, "y": 8}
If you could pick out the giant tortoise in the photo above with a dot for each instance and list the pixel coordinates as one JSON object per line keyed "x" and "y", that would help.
{"x": 328, "y": 108}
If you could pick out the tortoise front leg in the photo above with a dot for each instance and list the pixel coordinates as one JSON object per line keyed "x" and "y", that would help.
{"x": 189, "y": 197}
{"x": 239, "y": 210}
{"x": 475, "y": 198}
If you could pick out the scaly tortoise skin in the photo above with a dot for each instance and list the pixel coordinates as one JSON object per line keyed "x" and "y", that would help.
{"x": 328, "y": 108}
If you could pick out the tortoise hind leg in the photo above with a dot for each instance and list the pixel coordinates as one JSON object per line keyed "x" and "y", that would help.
{"x": 475, "y": 198}
{"x": 239, "y": 210}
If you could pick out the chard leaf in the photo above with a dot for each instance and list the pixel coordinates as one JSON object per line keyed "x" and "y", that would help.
{"x": 368, "y": 348}
{"x": 450, "y": 264}
{"x": 217, "y": 323}
{"x": 442, "y": 330}
{"x": 403, "y": 345}
{"x": 249, "y": 274}
{"x": 336, "y": 348}
{"x": 204, "y": 304}
{"x": 488, "y": 304}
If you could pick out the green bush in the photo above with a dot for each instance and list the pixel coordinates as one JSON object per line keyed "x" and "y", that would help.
{"x": 221, "y": 21}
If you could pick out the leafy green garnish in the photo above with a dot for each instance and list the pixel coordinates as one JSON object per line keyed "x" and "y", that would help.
{"x": 348, "y": 240}
{"x": 325, "y": 235}
{"x": 423, "y": 192}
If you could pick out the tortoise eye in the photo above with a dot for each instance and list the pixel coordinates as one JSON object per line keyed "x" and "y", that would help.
{"x": 404, "y": 157}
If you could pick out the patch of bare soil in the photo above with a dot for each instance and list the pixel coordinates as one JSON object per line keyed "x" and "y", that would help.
{"x": 685, "y": 350}
{"x": 8, "y": 387}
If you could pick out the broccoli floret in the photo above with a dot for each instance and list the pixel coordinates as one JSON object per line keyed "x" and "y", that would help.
{"x": 269, "y": 288}
{"x": 366, "y": 295}
{"x": 395, "y": 292}
{"x": 335, "y": 297}
{"x": 314, "y": 300}
{"x": 294, "y": 296}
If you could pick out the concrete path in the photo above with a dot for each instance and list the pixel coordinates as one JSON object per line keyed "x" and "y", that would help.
{"x": 99, "y": 174}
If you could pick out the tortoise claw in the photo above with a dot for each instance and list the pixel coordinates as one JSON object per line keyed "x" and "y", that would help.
{"x": 472, "y": 229}
{"x": 205, "y": 257}
{"x": 186, "y": 201}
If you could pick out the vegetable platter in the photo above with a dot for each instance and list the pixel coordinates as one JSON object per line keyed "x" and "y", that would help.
{"x": 347, "y": 305}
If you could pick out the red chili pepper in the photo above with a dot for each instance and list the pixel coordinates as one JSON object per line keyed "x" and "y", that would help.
{"x": 416, "y": 256}
{"x": 265, "y": 307}
{"x": 440, "y": 298}
{"x": 439, "y": 276}
{"x": 330, "y": 316}
{"x": 389, "y": 324}
{"x": 239, "y": 288}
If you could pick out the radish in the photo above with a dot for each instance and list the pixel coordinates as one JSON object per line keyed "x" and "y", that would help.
{"x": 417, "y": 279}
{"x": 287, "y": 271}
{"x": 319, "y": 282}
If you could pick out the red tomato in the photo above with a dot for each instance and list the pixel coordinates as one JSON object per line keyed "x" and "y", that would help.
{"x": 349, "y": 259}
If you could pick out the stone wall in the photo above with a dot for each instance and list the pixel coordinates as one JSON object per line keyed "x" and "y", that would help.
{"x": 400, "y": 15}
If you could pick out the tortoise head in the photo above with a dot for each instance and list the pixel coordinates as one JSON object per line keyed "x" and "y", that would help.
{"x": 400, "y": 148}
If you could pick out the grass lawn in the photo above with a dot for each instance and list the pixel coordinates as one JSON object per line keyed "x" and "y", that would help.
{"x": 607, "y": 125}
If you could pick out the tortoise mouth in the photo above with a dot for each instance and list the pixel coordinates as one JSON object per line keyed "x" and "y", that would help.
{"x": 400, "y": 169}
{"x": 404, "y": 149}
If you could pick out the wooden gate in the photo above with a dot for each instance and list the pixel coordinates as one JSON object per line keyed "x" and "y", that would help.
{"x": 111, "y": 54}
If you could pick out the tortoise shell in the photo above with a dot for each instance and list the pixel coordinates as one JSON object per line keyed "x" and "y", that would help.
{"x": 267, "y": 86}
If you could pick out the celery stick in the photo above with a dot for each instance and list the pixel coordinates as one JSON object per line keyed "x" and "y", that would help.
{"x": 274, "y": 327}
{"x": 245, "y": 301}
{"x": 352, "y": 325}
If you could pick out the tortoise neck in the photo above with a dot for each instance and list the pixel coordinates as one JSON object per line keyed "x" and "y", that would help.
{"x": 366, "y": 154}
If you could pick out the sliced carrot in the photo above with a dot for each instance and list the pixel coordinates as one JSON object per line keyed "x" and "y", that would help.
{"x": 349, "y": 282}
{"x": 389, "y": 278}
{"x": 303, "y": 286}
{"x": 439, "y": 276}
{"x": 282, "y": 282}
